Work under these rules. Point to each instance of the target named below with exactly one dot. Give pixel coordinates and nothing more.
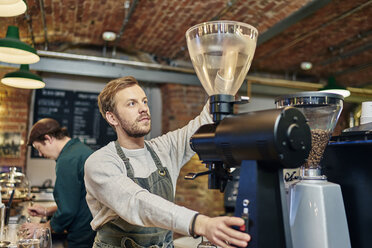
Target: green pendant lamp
(23, 78)
(333, 87)
(10, 8)
(12, 50)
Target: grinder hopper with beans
(316, 208)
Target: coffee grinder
(316, 209)
(261, 143)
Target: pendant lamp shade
(23, 78)
(9, 8)
(333, 87)
(12, 50)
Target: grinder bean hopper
(221, 53)
(316, 208)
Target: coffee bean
(319, 141)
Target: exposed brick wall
(14, 113)
(84, 21)
(324, 38)
(180, 105)
(335, 38)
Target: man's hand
(218, 230)
(27, 230)
(36, 210)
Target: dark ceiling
(335, 36)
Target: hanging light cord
(41, 2)
(29, 22)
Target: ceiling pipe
(46, 43)
(262, 80)
(350, 41)
(354, 69)
(59, 55)
(104, 50)
(29, 24)
(347, 54)
(128, 14)
(356, 92)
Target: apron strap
(121, 154)
(128, 166)
(156, 159)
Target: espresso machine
(260, 143)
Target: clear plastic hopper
(221, 52)
(322, 111)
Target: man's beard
(133, 129)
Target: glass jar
(322, 111)
(14, 180)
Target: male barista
(131, 182)
(71, 213)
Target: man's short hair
(46, 126)
(106, 99)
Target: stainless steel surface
(314, 94)
(311, 174)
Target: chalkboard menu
(78, 111)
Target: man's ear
(111, 118)
(48, 138)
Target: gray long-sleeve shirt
(111, 194)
